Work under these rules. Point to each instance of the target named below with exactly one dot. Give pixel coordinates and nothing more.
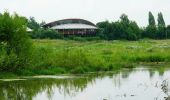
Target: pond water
(132, 84)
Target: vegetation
(61, 56)
(123, 29)
(45, 34)
(20, 56)
(15, 46)
(129, 30)
(41, 33)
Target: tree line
(124, 28)
(129, 30)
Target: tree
(168, 32)
(151, 29)
(15, 41)
(124, 19)
(150, 32)
(161, 21)
(103, 31)
(151, 19)
(161, 32)
(33, 24)
(130, 29)
(134, 31)
(123, 29)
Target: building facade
(73, 27)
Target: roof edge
(55, 22)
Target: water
(133, 84)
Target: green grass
(68, 56)
(76, 56)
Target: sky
(92, 10)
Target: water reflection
(132, 84)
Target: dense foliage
(38, 32)
(123, 29)
(129, 30)
(15, 46)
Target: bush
(15, 43)
(46, 33)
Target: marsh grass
(68, 56)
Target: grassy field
(67, 56)
(51, 57)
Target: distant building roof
(74, 26)
(71, 24)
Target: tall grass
(61, 56)
(68, 56)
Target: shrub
(45, 33)
(14, 41)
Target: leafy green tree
(103, 31)
(151, 29)
(168, 32)
(15, 42)
(161, 32)
(130, 29)
(124, 19)
(124, 24)
(161, 21)
(33, 24)
(151, 32)
(151, 19)
(123, 29)
(134, 31)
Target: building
(73, 27)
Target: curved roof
(74, 26)
(71, 24)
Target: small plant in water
(164, 87)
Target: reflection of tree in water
(121, 76)
(27, 89)
(22, 90)
(160, 70)
(73, 85)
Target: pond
(132, 84)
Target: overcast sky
(92, 10)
